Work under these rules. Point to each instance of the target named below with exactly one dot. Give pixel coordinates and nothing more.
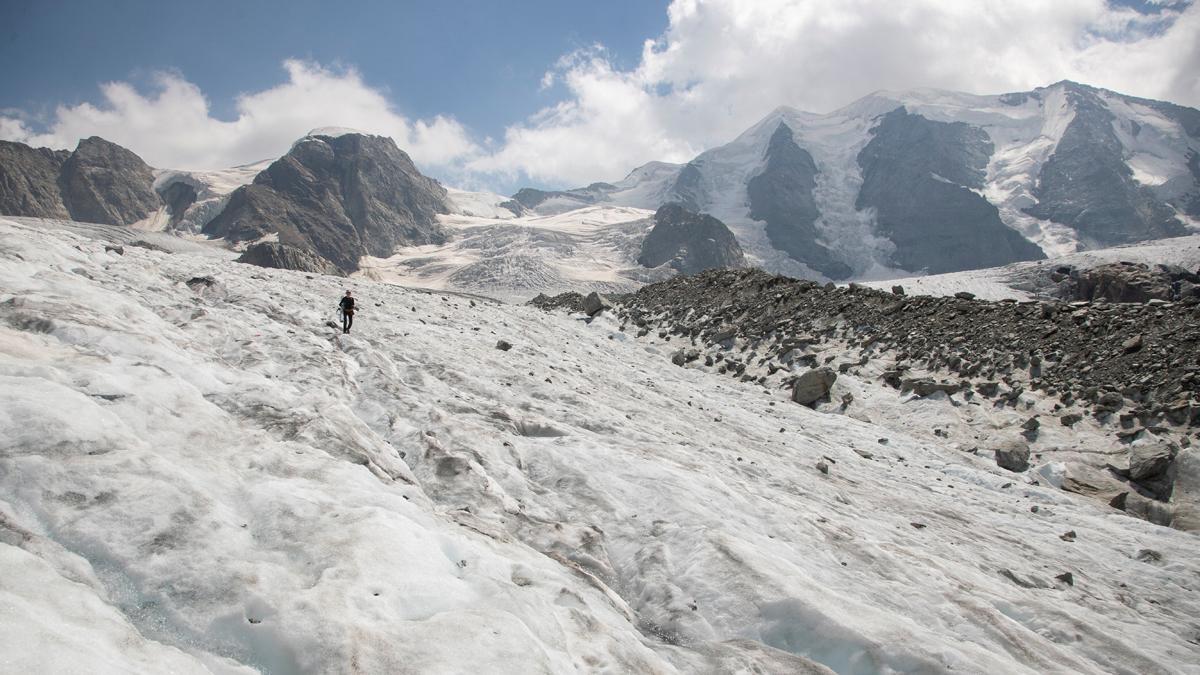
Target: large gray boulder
(1013, 455)
(595, 303)
(689, 242)
(921, 177)
(813, 385)
(340, 197)
(1149, 461)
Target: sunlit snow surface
(208, 479)
(502, 256)
(998, 283)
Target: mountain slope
(340, 196)
(921, 178)
(1065, 167)
(199, 475)
(99, 182)
(689, 242)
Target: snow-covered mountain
(934, 181)
(197, 475)
(893, 185)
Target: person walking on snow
(347, 307)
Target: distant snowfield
(511, 258)
(206, 478)
(998, 283)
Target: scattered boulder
(1092, 482)
(1131, 345)
(1013, 456)
(595, 303)
(924, 386)
(201, 283)
(1149, 461)
(504, 345)
(813, 386)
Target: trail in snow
(206, 478)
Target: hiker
(347, 307)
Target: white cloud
(172, 126)
(722, 65)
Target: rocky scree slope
(340, 198)
(1133, 368)
(99, 182)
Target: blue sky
(481, 60)
(499, 95)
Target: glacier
(197, 474)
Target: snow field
(207, 478)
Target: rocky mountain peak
(782, 195)
(340, 197)
(103, 182)
(689, 242)
(100, 182)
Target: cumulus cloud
(719, 67)
(722, 65)
(172, 126)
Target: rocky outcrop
(29, 181)
(339, 197)
(1088, 186)
(282, 256)
(688, 189)
(178, 197)
(100, 182)
(689, 242)
(1130, 282)
(920, 175)
(532, 198)
(813, 386)
(782, 196)
(1013, 456)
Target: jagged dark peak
(781, 137)
(782, 196)
(29, 181)
(688, 189)
(689, 242)
(917, 175)
(339, 195)
(955, 151)
(102, 182)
